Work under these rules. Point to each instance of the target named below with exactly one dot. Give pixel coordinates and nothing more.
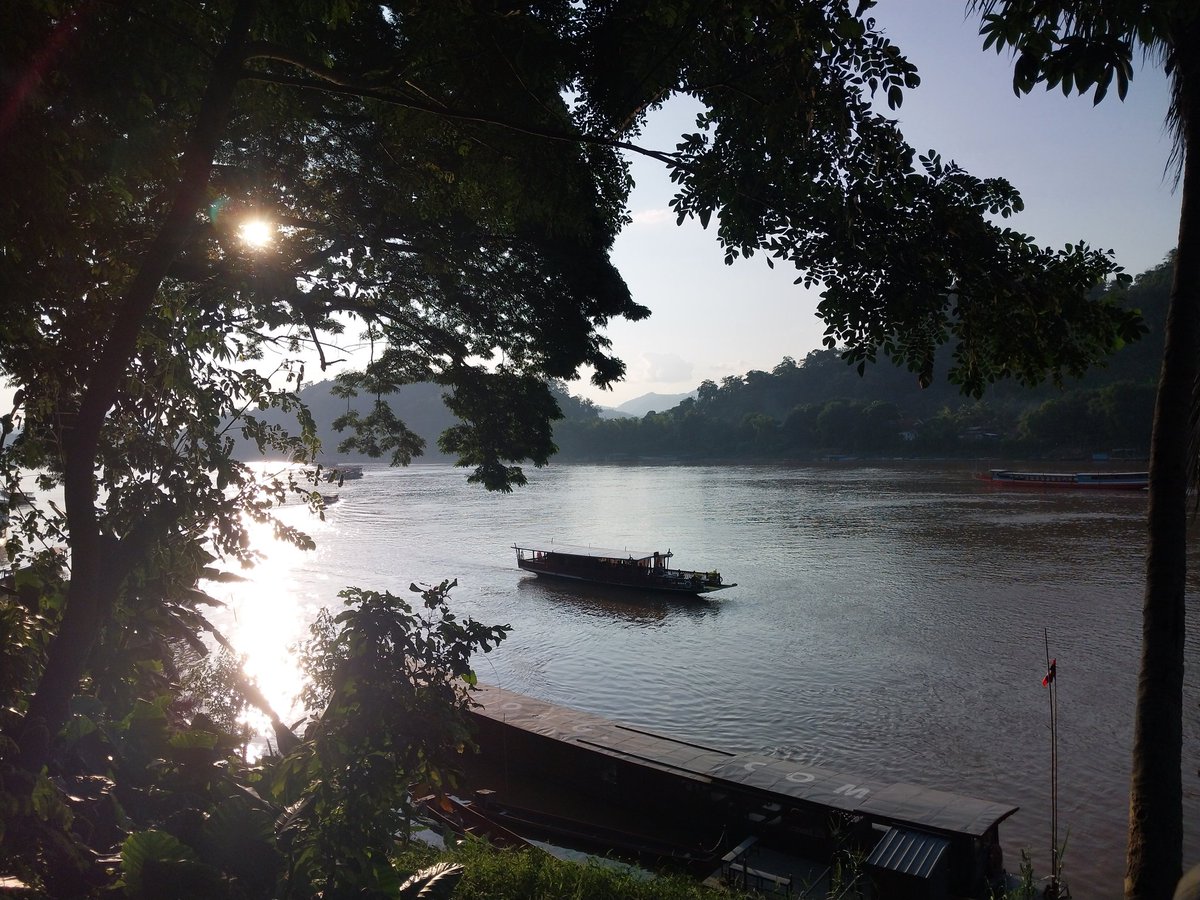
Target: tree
(837, 424)
(1062, 423)
(1083, 45)
(389, 685)
(879, 426)
(759, 434)
(1127, 411)
(799, 428)
(449, 176)
(707, 392)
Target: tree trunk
(1155, 852)
(97, 565)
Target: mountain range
(421, 408)
(646, 403)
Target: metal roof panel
(909, 853)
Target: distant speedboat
(1114, 481)
(621, 568)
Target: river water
(888, 621)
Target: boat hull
(596, 838)
(463, 818)
(613, 576)
(1086, 481)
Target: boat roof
(908, 804)
(898, 804)
(596, 552)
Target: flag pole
(1054, 889)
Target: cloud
(663, 368)
(652, 218)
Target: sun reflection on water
(267, 615)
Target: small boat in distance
(622, 568)
(1115, 481)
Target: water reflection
(636, 607)
(267, 614)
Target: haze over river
(887, 621)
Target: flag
(1050, 673)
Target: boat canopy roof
(595, 552)
(931, 808)
(906, 805)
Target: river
(888, 621)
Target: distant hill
(639, 406)
(822, 406)
(611, 412)
(419, 406)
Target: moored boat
(787, 821)
(1118, 481)
(621, 568)
(462, 817)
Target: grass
(492, 874)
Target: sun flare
(256, 233)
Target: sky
(1091, 173)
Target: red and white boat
(1113, 481)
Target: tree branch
(333, 82)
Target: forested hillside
(419, 406)
(821, 406)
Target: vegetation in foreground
(490, 874)
(153, 795)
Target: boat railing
(757, 880)
(689, 575)
(735, 870)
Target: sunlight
(268, 614)
(256, 233)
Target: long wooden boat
(925, 843)
(622, 568)
(1112, 481)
